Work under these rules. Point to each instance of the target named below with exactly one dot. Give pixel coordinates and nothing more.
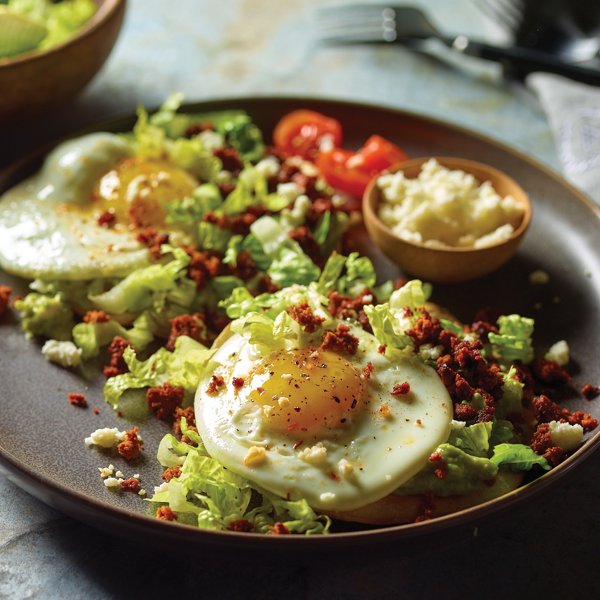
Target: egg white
(48, 227)
(363, 462)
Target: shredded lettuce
(45, 315)
(513, 340)
(518, 457)
(472, 439)
(290, 265)
(145, 288)
(182, 367)
(189, 211)
(210, 496)
(91, 337)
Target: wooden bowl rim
(370, 204)
(106, 10)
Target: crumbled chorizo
(590, 391)
(367, 370)
(117, 364)
(265, 285)
(279, 528)
(171, 472)
(192, 326)
(549, 372)
(96, 316)
(164, 399)
(131, 485)
(542, 444)
(131, 446)
(340, 340)
(196, 128)
(241, 525)
(5, 292)
(303, 314)
(187, 414)
(230, 159)
(303, 235)
(221, 220)
(77, 400)
(153, 240)
(240, 224)
(401, 389)
(238, 383)
(107, 218)
(245, 267)
(216, 382)
(203, 266)
(428, 330)
(345, 307)
(546, 410)
(164, 513)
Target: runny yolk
(307, 391)
(136, 190)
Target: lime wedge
(18, 33)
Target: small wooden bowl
(448, 264)
(36, 81)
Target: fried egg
(321, 425)
(50, 224)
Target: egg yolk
(136, 190)
(307, 391)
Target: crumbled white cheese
(142, 492)
(119, 474)
(112, 482)
(283, 401)
(106, 471)
(314, 455)
(430, 352)
(539, 277)
(565, 435)
(268, 167)
(105, 437)
(161, 488)
(443, 207)
(211, 140)
(327, 497)
(559, 353)
(65, 354)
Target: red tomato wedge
(350, 172)
(301, 133)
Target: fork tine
(508, 12)
(357, 23)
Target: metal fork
(407, 25)
(569, 29)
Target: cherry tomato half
(333, 165)
(350, 172)
(301, 132)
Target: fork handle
(525, 58)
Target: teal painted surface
(209, 49)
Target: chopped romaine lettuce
(513, 340)
(45, 315)
(518, 457)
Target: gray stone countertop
(268, 47)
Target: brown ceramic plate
(41, 435)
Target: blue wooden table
(209, 50)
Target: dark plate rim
(99, 514)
